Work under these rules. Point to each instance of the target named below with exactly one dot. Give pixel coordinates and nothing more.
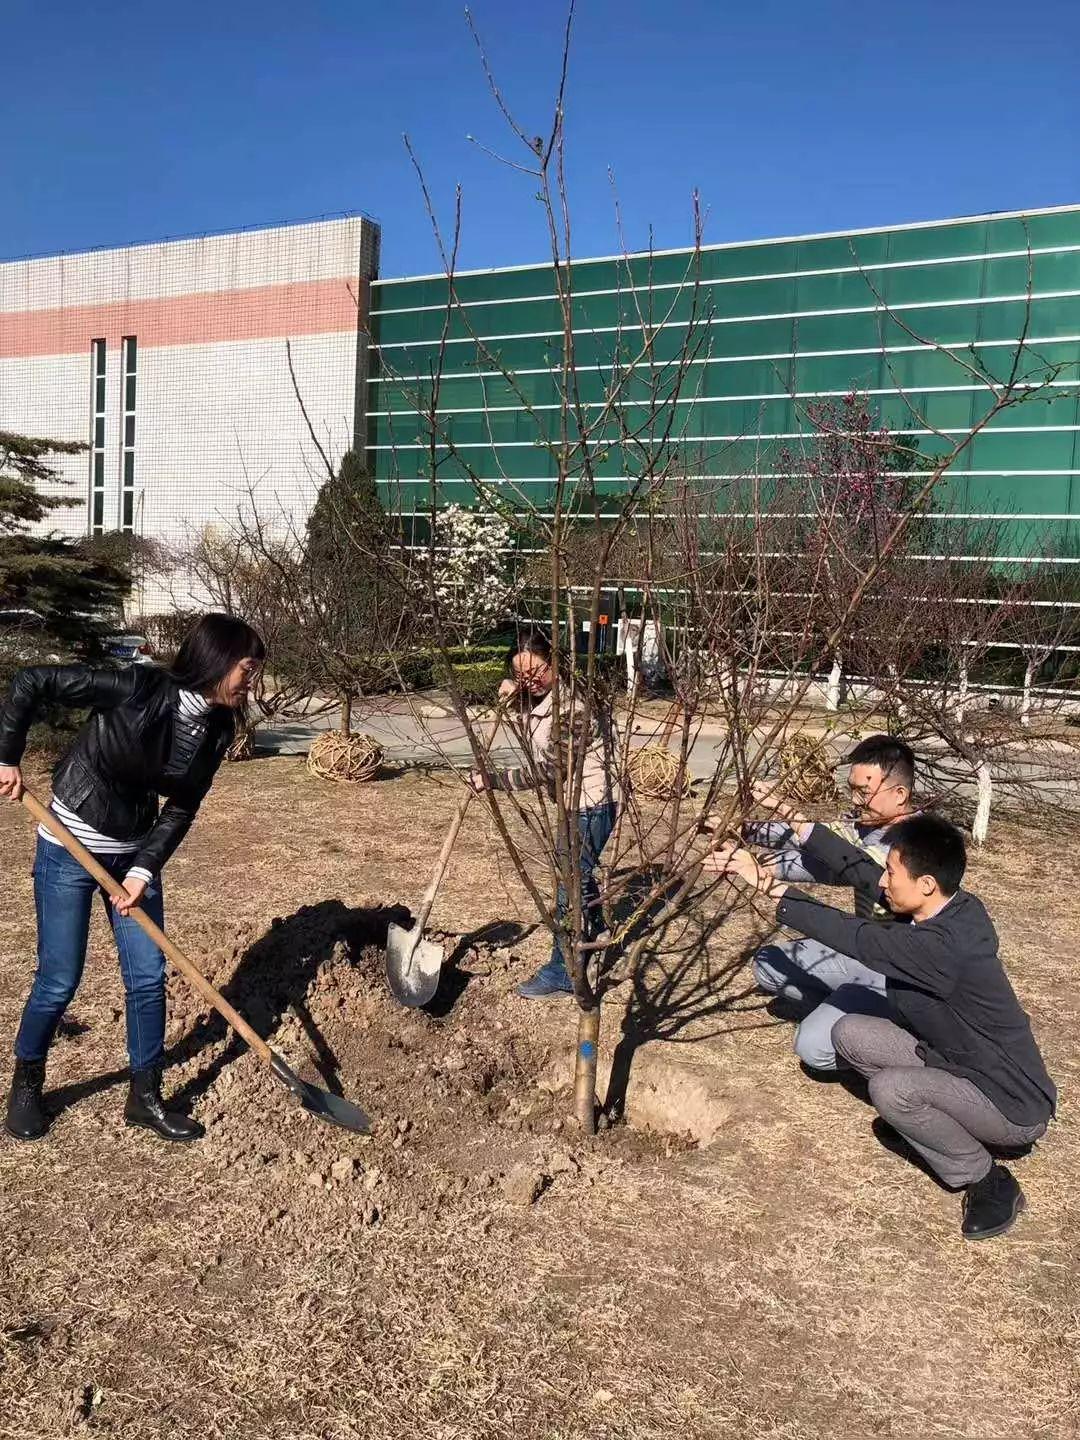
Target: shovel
(413, 964)
(334, 1108)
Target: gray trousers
(829, 984)
(947, 1119)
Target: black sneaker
(991, 1205)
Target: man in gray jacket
(826, 982)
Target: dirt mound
(458, 1116)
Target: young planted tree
(754, 583)
(261, 589)
(982, 725)
(332, 593)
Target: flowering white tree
(470, 569)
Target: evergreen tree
(348, 522)
(355, 614)
(76, 592)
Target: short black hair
(929, 845)
(892, 757)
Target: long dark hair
(211, 648)
(529, 642)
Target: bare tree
(259, 581)
(972, 707)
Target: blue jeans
(595, 827)
(835, 985)
(63, 896)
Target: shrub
(478, 679)
(165, 632)
(426, 668)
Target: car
(129, 649)
(20, 627)
(21, 639)
(21, 620)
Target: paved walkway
(424, 731)
(429, 733)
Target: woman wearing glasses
(151, 732)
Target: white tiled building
(170, 360)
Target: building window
(127, 470)
(97, 437)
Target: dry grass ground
(790, 1280)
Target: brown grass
(791, 1280)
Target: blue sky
(132, 121)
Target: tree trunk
(985, 786)
(588, 1034)
(1025, 703)
(346, 714)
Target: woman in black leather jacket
(151, 733)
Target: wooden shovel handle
(111, 886)
(451, 835)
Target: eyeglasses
(868, 792)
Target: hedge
(426, 668)
(477, 680)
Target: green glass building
(904, 316)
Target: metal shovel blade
(334, 1108)
(412, 964)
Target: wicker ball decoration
(806, 772)
(349, 759)
(656, 773)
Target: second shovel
(413, 964)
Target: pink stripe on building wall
(305, 307)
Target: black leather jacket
(114, 772)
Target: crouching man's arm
(922, 955)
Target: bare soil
(476, 1268)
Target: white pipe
(832, 694)
(984, 783)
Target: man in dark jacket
(824, 981)
(955, 1068)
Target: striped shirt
(189, 727)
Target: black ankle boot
(26, 1119)
(146, 1108)
(991, 1205)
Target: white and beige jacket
(599, 785)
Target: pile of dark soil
(458, 1117)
